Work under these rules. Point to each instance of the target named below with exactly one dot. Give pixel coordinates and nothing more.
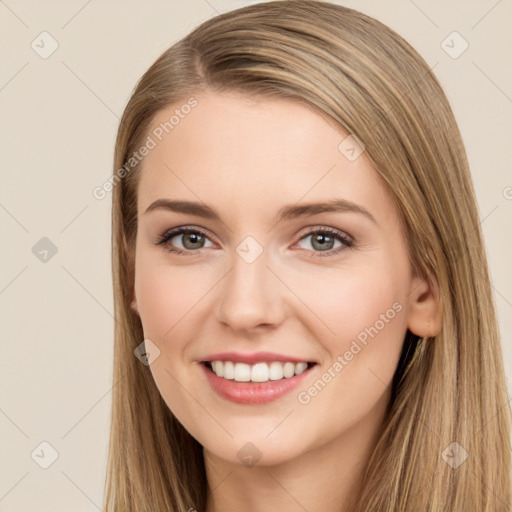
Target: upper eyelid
(180, 230)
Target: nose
(251, 296)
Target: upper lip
(255, 357)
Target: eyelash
(168, 235)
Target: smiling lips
(254, 378)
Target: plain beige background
(59, 118)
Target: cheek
(367, 315)
(352, 301)
(165, 296)
(369, 310)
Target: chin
(250, 451)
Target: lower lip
(253, 392)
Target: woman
(304, 318)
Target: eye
(324, 239)
(192, 239)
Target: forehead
(246, 154)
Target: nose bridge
(250, 292)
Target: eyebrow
(286, 213)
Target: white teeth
(242, 372)
(288, 370)
(218, 368)
(300, 367)
(276, 371)
(259, 372)
(229, 369)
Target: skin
(247, 157)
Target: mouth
(257, 373)
(255, 384)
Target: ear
(425, 311)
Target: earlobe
(134, 306)
(425, 310)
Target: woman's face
(253, 279)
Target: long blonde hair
(447, 389)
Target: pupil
(323, 240)
(194, 238)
